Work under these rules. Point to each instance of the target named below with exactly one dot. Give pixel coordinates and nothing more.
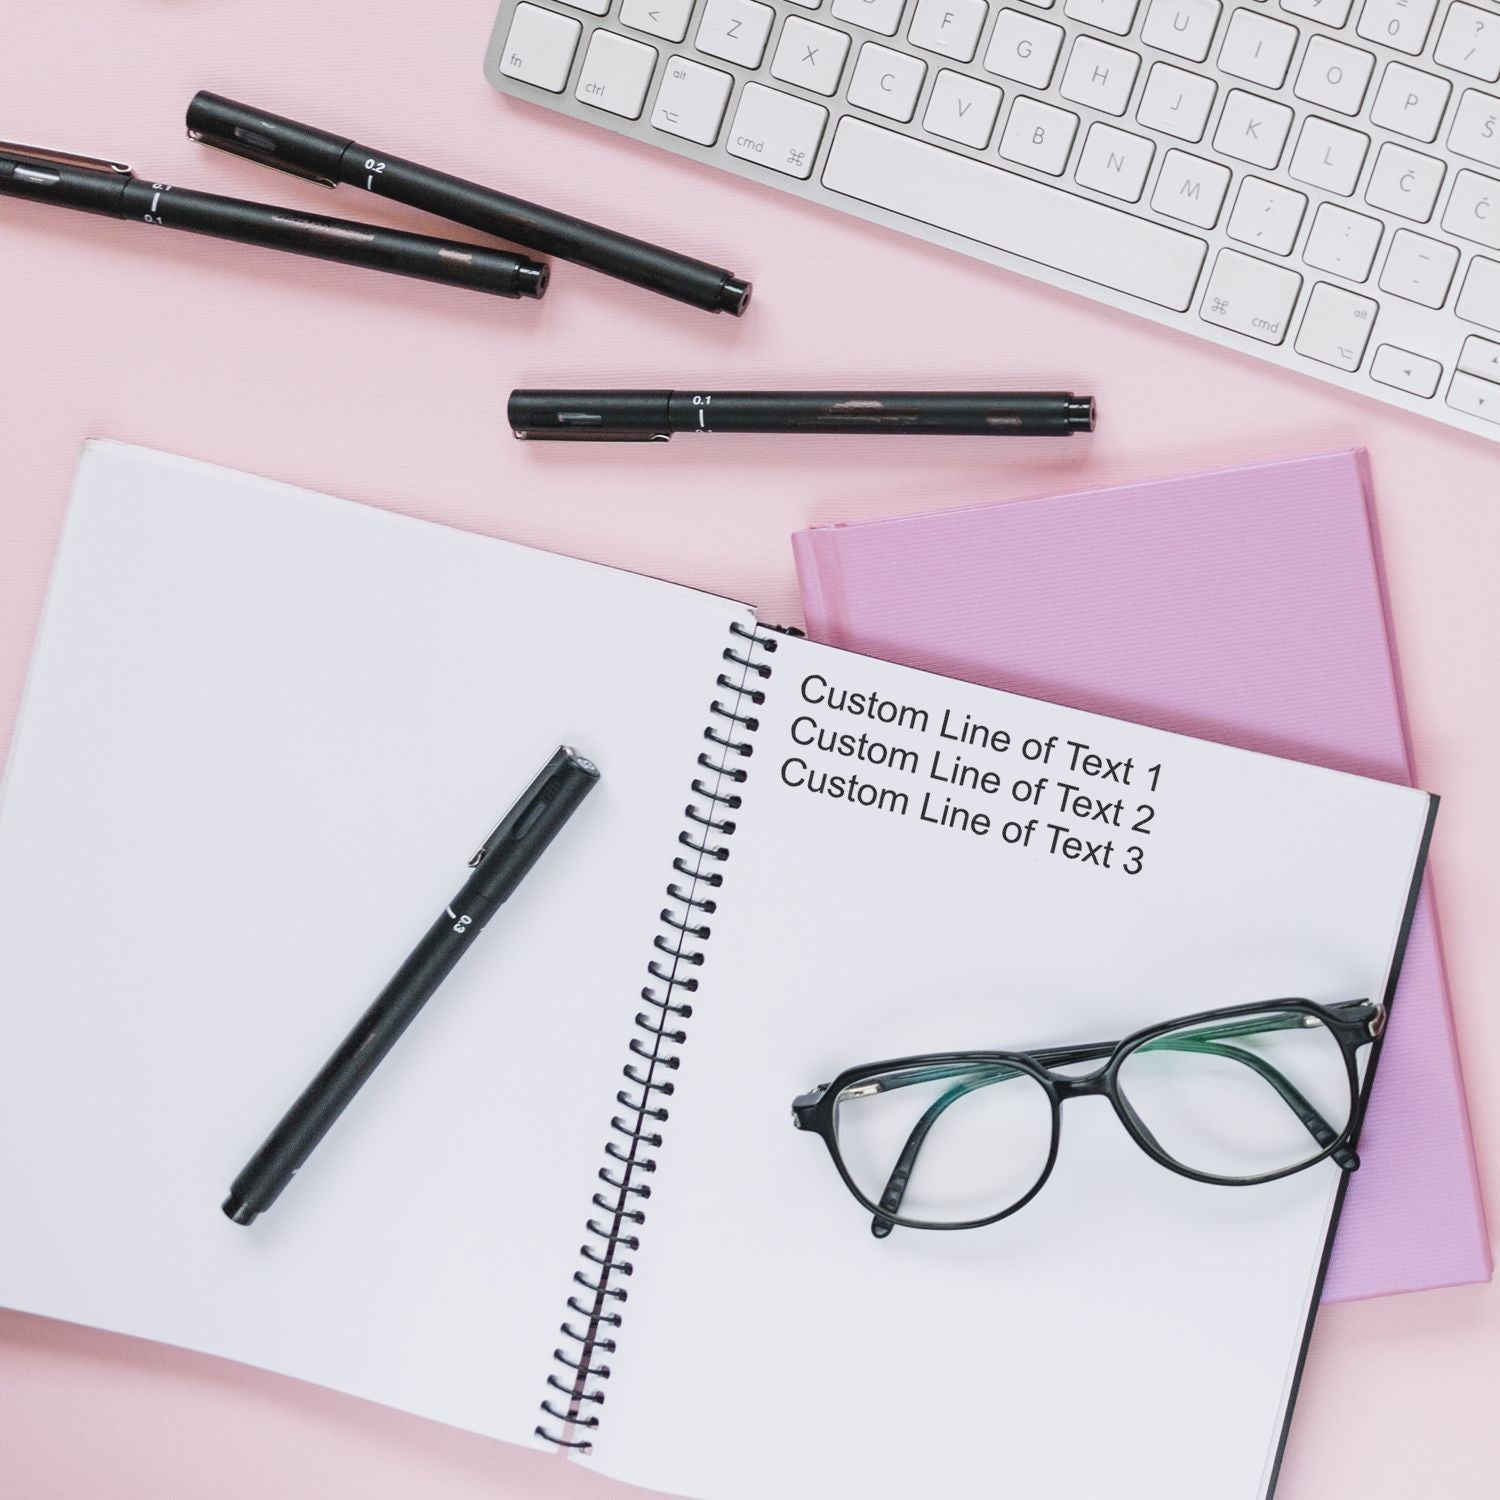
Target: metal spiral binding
(677, 952)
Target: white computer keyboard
(1313, 181)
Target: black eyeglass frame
(1354, 1024)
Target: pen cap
(607, 416)
(530, 826)
(79, 182)
(271, 139)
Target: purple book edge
(1247, 606)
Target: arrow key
(667, 19)
(1480, 357)
(1475, 397)
(1413, 373)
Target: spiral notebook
(262, 732)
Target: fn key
(539, 47)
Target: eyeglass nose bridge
(1079, 1085)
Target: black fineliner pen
(641, 416)
(110, 188)
(331, 159)
(499, 867)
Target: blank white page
(1129, 1333)
(263, 734)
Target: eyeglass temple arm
(1206, 1040)
(895, 1188)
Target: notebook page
(263, 734)
(1130, 1332)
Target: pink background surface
(393, 393)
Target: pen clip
(63, 159)
(265, 154)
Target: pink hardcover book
(1246, 606)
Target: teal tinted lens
(1241, 1098)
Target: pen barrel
(501, 864)
(895, 413)
(308, 152)
(320, 1104)
(545, 230)
(451, 264)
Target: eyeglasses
(957, 1140)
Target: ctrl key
(539, 47)
(777, 130)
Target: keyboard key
(616, 73)
(1475, 397)
(1023, 48)
(1402, 24)
(691, 100)
(883, 16)
(1176, 102)
(1334, 76)
(1115, 162)
(667, 19)
(1257, 49)
(1473, 211)
(1038, 135)
(593, 7)
(1480, 357)
(1099, 75)
(1419, 269)
(887, 83)
(1117, 16)
(1266, 216)
(1479, 301)
(1336, 327)
(735, 30)
(1329, 12)
(1470, 42)
(1190, 189)
(539, 47)
(1013, 213)
(776, 130)
(1405, 371)
(1329, 156)
(1405, 182)
(1252, 129)
(1475, 131)
(1250, 297)
(1343, 242)
(951, 27)
(811, 56)
(1185, 28)
(962, 109)
(1411, 102)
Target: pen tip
(531, 278)
(734, 296)
(237, 1211)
